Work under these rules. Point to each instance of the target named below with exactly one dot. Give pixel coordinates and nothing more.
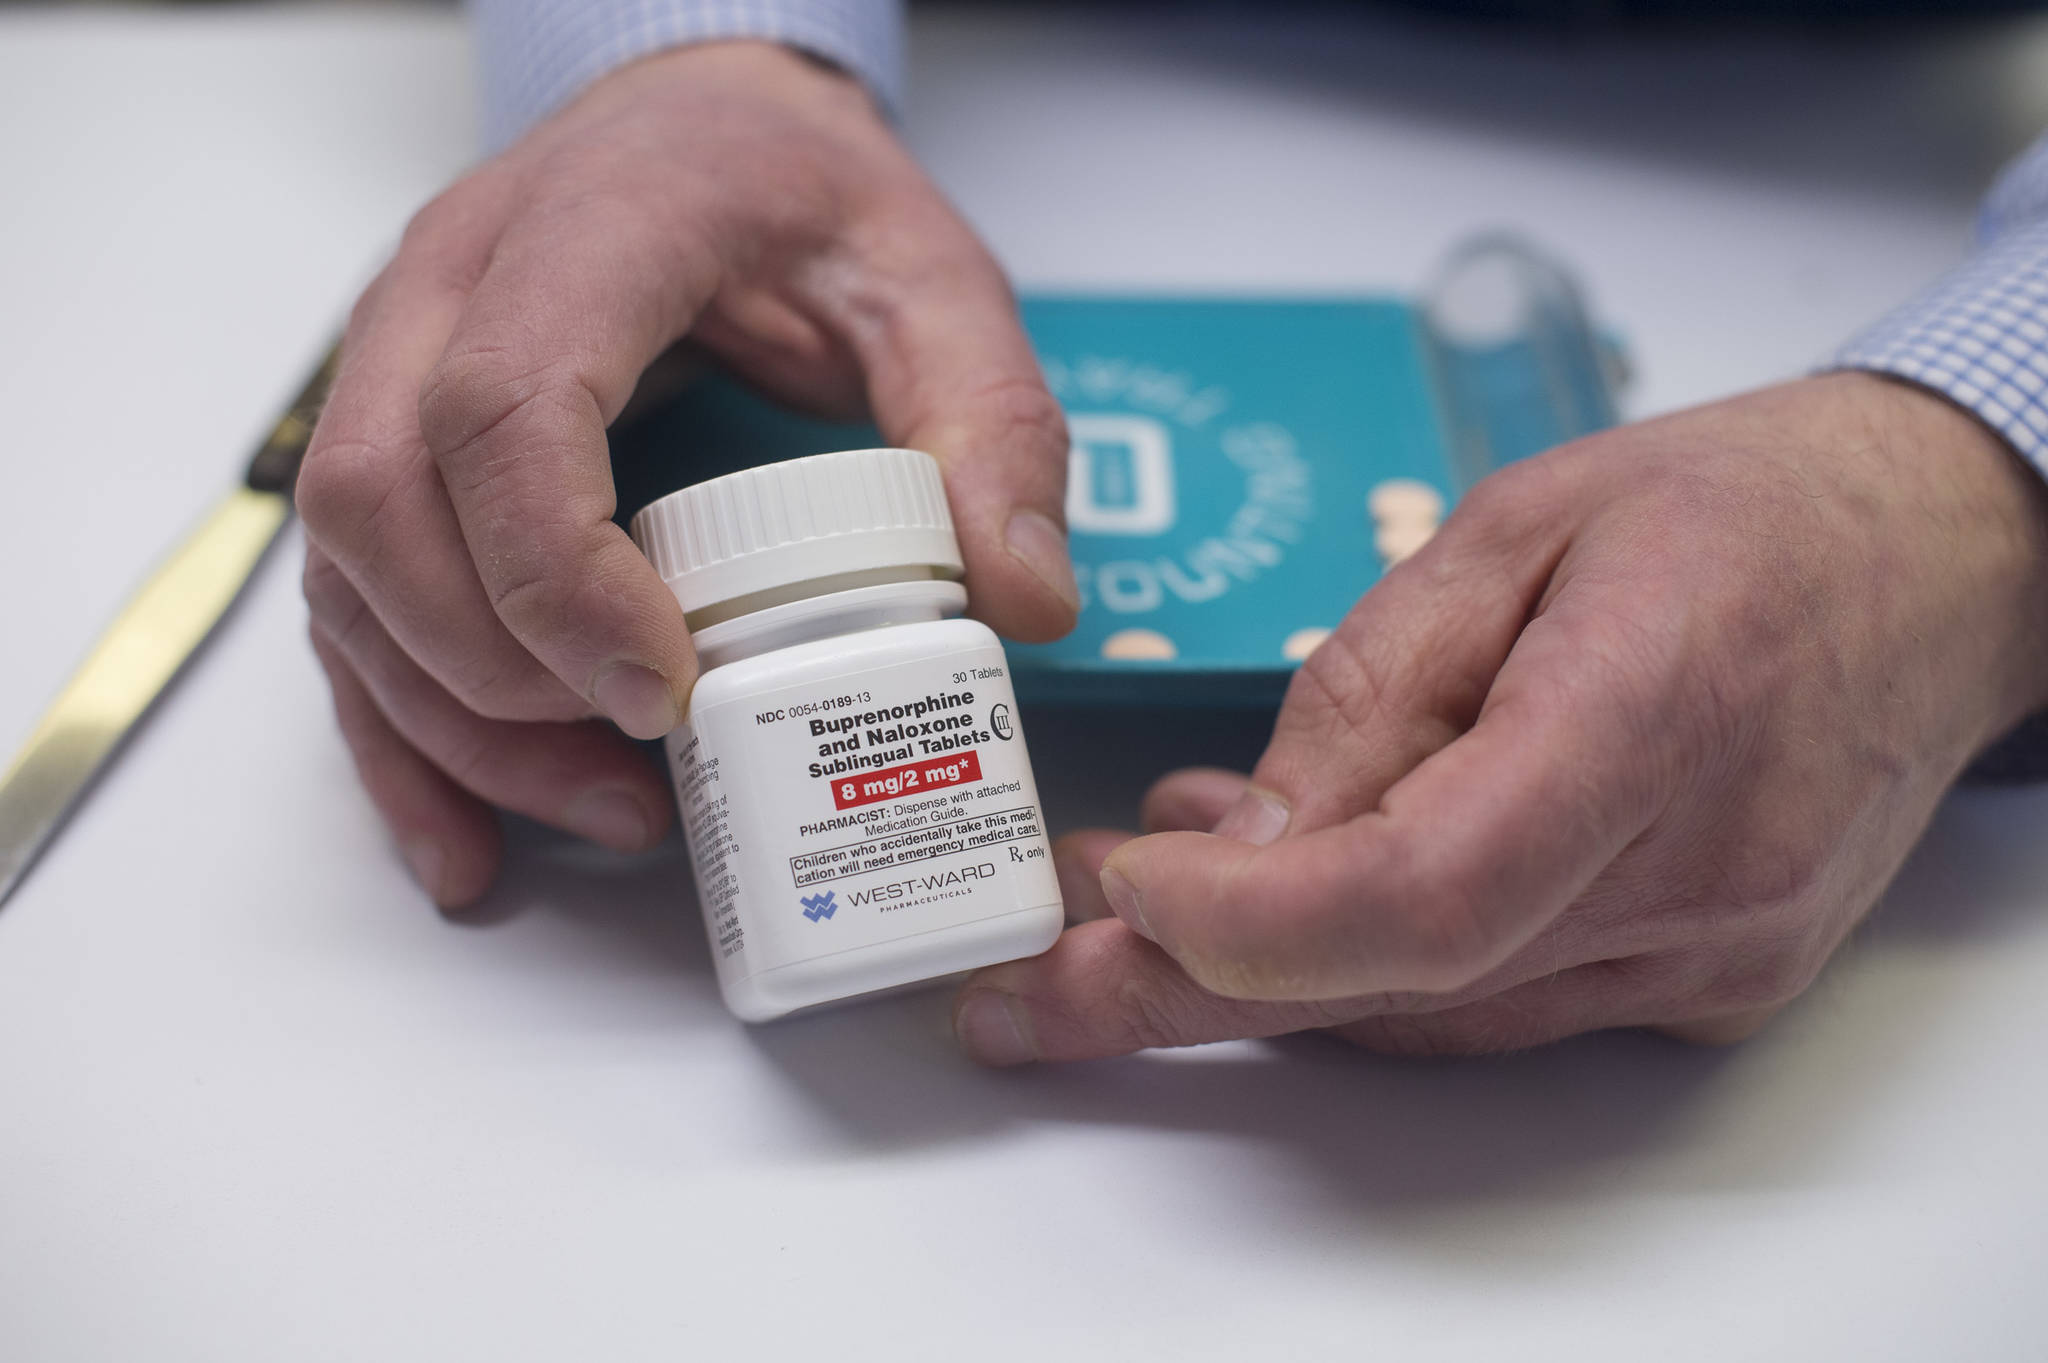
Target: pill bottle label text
(881, 804)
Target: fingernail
(1258, 817)
(428, 862)
(993, 1030)
(637, 698)
(1038, 543)
(1123, 898)
(608, 817)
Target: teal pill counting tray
(1242, 469)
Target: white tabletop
(258, 1101)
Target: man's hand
(1635, 740)
(471, 599)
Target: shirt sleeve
(534, 55)
(1980, 336)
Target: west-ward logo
(818, 906)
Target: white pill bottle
(851, 774)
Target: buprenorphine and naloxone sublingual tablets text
(852, 775)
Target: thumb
(949, 372)
(1455, 867)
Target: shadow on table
(1364, 1132)
(1375, 1130)
(1981, 869)
(1389, 1134)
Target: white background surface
(257, 1101)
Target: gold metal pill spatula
(161, 627)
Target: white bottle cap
(829, 514)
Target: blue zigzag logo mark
(817, 906)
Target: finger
(581, 777)
(950, 372)
(576, 302)
(1690, 993)
(785, 353)
(1077, 861)
(374, 504)
(446, 835)
(1103, 990)
(1410, 666)
(1190, 800)
(1193, 798)
(1591, 998)
(1461, 862)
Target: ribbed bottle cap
(770, 527)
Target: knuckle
(480, 384)
(486, 682)
(1778, 869)
(504, 682)
(336, 608)
(1364, 706)
(1497, 497)
(449, 221)
(432, 222)
(1150, 1014)
(1629, 662)
(1007, 415)
(467, 758)
(573, 189)
(1344, 685)
(1447, 942)
(323, 650)
(364, 309)
(532, 600)
(914, 246)
(1762, 976)
(566, 607)
(1341, 728)
(446, 243)
(1437, 925)
(319, 580)
(1511, 504)
(1024, 411)
(345, 491)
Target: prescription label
(825, 817)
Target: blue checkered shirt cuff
(535, 55)
(1980, 336)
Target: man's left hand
(1635, 740)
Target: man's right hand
(472, 601)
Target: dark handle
(276, 465)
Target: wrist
(528, 75)
(1985, 522)
(750, 68)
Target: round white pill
(1302, 642)
(1397, 541)
(1405, 501)
(1139, 645)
